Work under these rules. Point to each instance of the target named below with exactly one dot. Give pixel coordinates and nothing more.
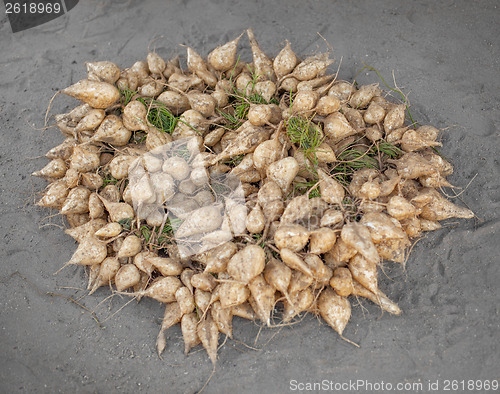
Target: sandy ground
(444, 55)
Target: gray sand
(445, 55)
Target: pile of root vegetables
(222, 188)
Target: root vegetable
(161, 289)
(314, 83)
(355, 118)
(109, 231)
(325, 153)
(340, 254)
(289, 84)
(400, 208)
(341, 281)
(77, 201)
(90, 121)
(185, 299)
(164, 187)
(247, 263)
(412, 141)
(112, 131)
(209, 336)
(104, 71)
(327, 105)
(223, 318)
(358, 237)
(293, 237)
(394, 136)
(336, 310)
(118, 210)
(298, 282)
(378, 298)
(83, 160)
(85, 230)
(359, 178)
(364, 271)
(171, 317)
(434, 180)
(92, 181)
(77, 219)
(55, 169)
(233, 293)
(247, 139)
(181, 82)
(155, 63)
(134, 116)
(141, 261)
(266, 89)
(263, 65)
(294, 261)
(175, 102)
(72, 178)
(311, 67)
(214, 137)
(189, 324)
(110, 193)
(203, 281)
(373, 133)
(167, 266)
(337, 127)
(331, 191)
(262, 298)
(342, 90)
(186, 276)
(201, 220)
(107, 271)
(203, 103)
(393, 249)
(97, 94)
(216, 259)
(304, 101)
(429, 225)
(300, 302)
(321, 272)
(62, 151)
(223, 57)
(285, 61)
(127, 276)
(197, 65)
(411, 226)
(440, 209)
(282, 172)
(362, 97)
(278, 275)
(395, 118)
(255, 221)
(120, 165)
(440, 164)
(298, 208)
(157, 138)
(266, 153)
(259, 115)
(331, 217)
(381, 227)
(322, 240)
(370, 190)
